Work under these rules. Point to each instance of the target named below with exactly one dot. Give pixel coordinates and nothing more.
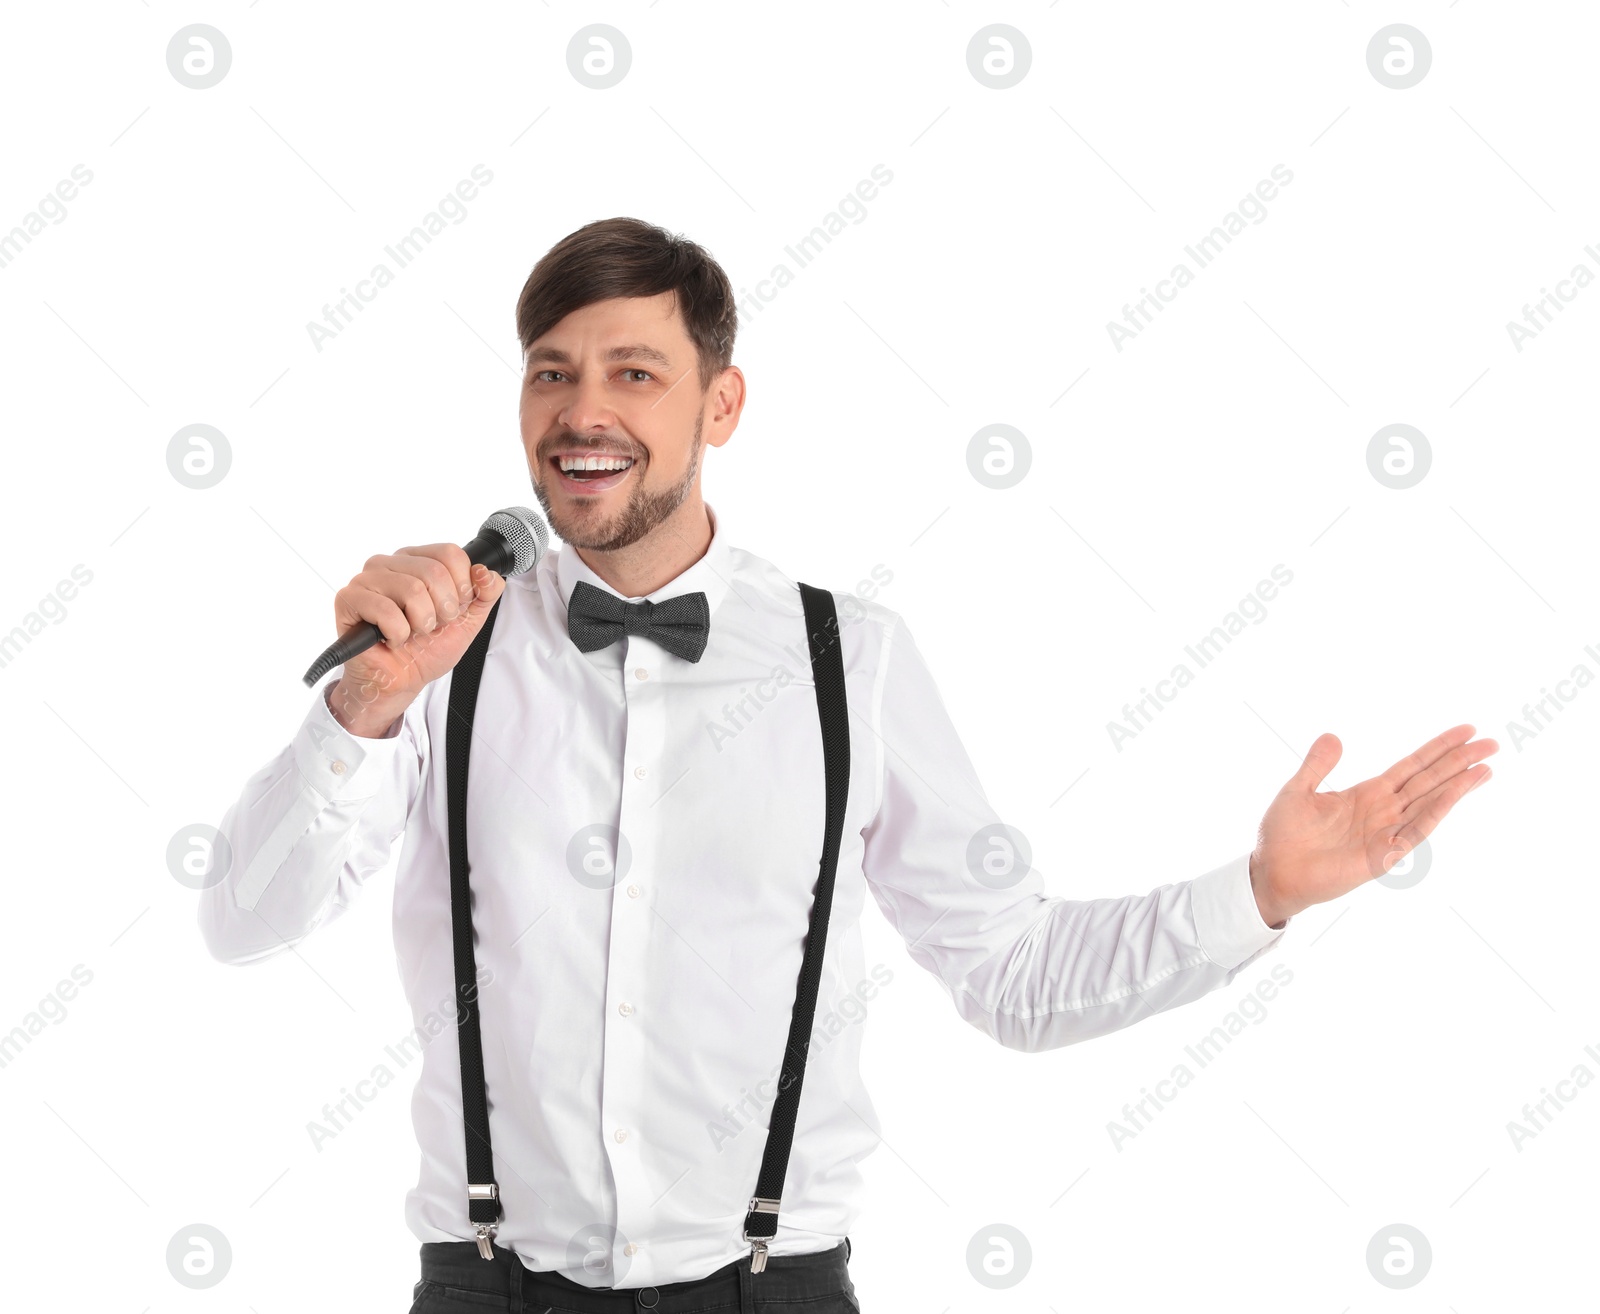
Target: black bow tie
(596, 618)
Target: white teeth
(595, 462)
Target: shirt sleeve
(307, 829)
(1033, 971)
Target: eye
(539, 375)
(646, 373)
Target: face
(613, 420)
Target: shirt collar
(709, 575)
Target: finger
(454, 559)
(357, 603)
(1424, 757)
(1457, 759)
(444, 588)
(488, 585)
(422, 585)
(408, 592)
(1428, 811)
(1323, 756)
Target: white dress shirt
(634, 1010)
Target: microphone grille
(525, 534)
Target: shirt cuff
(336, 763)
(1226, 915)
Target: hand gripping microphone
(510, 543)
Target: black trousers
(456, 1279)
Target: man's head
(627, 341)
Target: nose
(588, 409)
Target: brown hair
(630, 258)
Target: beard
(644, 510)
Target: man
(645, 816)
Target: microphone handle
(491, 550)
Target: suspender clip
(486, 1231)
(758, 1244)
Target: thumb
(1321, 759)
(488, 585)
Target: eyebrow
(638, 351)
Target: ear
(726, 401)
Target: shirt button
(641, 772)
(633, 891)
(630, 1249)
(626, 1009)
(337, 768)
(642, 674)
(621, 1134)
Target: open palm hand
(1314, 846)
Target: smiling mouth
(584, 472)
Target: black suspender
(827, 667)
(761, 1221)
(483, 1192)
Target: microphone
(510, 543)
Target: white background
(1167, 479)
